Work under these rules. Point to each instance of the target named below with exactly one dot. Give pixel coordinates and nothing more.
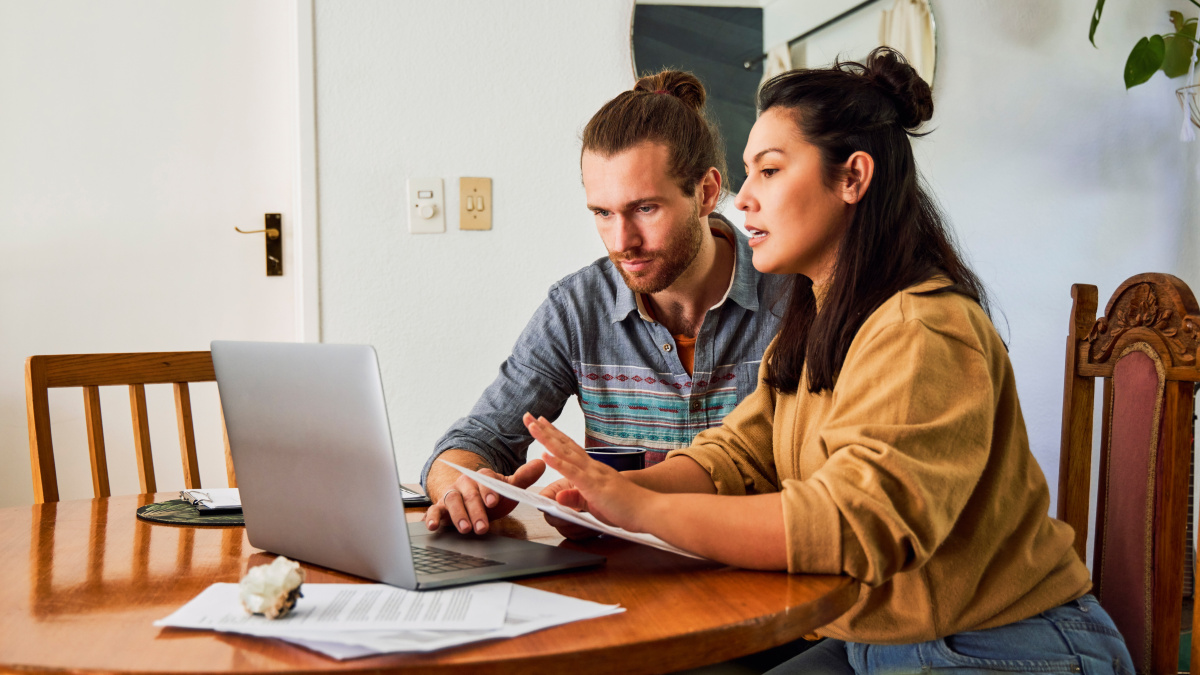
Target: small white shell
(272, 589)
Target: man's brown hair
(665, 108)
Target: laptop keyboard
(430, 560)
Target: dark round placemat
(179, 512)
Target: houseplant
(1170, 52)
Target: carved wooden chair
(92, 371)
(1145, 348)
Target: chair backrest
(1145, 349)
(92, 371)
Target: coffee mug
(620, 458)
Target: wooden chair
(92, 371)
(1145, 348)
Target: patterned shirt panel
(658, 411)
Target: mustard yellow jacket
(913, 476)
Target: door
(134, 136)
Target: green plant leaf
(1176, 20)
(1178, 49)
(1095, 21)
(1144, 60)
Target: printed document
(529, 610)
(338, 632)
(338, 607)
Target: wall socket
(426, 206)
(474, 203)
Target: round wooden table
(84, 580)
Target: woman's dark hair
(668, 108)
(897, 237)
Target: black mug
(620, 458)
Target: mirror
(731, 44)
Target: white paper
(529, 610)
(340, 607)
(216, 498)
(552, 507)
(333, 650)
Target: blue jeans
(1077, 637)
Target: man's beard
(668, 264)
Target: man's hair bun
(888, 69)
(651, 112)
(681, 85)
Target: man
(659, 340)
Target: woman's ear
(859, 169)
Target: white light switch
(426, 206)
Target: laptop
(312, 451)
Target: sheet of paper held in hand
(552, 507)
(339, 607)
(529, 610)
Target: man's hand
(564, 493)
(468, 506)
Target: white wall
(134, 135)
(473, 88)
(1051, 173)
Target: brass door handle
(272, 233)
(273, 228)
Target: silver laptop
(312, 450)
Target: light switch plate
(426, 206)
(474, 203)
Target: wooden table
(84, 580)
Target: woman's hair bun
(888, 69)
(683, 86)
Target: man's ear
(708, 192)
(859, 169)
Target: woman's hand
(571, 499)
(602, 490)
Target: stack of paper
(348, 621)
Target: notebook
(312, 451)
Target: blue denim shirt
(592, 339)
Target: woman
(885, 440)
